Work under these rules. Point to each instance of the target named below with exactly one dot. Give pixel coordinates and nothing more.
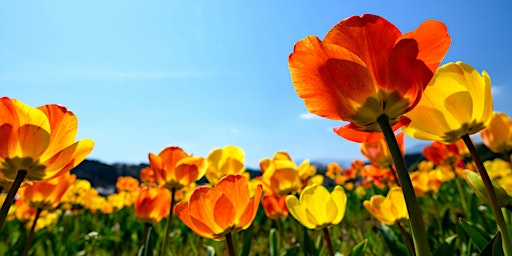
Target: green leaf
(475, 234)
(274, 250)
(447, 247)
(246, 247)
(309, 244)
(395, 247)
(359, 249)
(494, 247)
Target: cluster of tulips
(364, 72)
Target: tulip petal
(298, 211)
(250, 211)
(339, 198)
(63, 125)
(64, 160)
(236, 188)
(224, 212)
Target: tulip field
(452, 201)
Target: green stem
(407, 240)
(393, 171)
(328, 240)
(415, 218)
(500, 221)
(168, 224)
(231, 246)
(31, 234)
(20, 176)
(462, 197)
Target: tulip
(280, 174)
(37, 144)
(377, 152)
(217, 212)
(223, 161)
(497, 136)
(317, 208)
(152, 204)
(127, 183)
(47, 195)
(174, 169)
(274, 206)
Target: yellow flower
(456, 102)
(306, 170)
(390, 209)
(39, 140)
(317, 208)
(497, 136)
(223, 161)
(280, 174)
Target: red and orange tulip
(365, 68)
(377, 152)
(224, 209)
(174, 169)
(275, 206)
(153, 204)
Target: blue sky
(142, 75)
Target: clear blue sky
(142, 75)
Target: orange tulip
(275, 206)
(225, 209)
(147, 176)
(442, 154)
(153, 204)
(377, 151)
(174, 169)
(365, 68)
(127, 184)
(390, 209)
(39, 140)
(46, 195)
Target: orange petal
(331, 80)
(63, 125)
(224, 212)
(250, 211)
(33, 141)
(353, 132)
(170, 156)
(368, 36)
(433, 42)
(65, 160)
(236, 188)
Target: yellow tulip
(280, 174)
(457, 102)
(223, 161)
(317, 208)
(390, 209)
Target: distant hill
(104, 176)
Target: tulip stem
(20, 176)
(500, 220)
(328, 240)
(31, 234)
(462, 197)
(231, 246)
(407, 240)
(168, 224)
(415, 218)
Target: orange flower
(47, 194)
(127, 184)
(147, 176)
(174, 169)
(153, 204)
(39, 140)
(377, 151)
(275, 206)
(377, 176)
(226, 208)
(365, 68)
(442, 154)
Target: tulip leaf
(246, 247)
(494, 247)
(274, 250)
(359, 249)
(308, 244)
(447, 247)
(395, 247)
(475, 234)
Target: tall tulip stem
(407, 240)
(415, 218)
(31, 234)
(328, 240)
(10, 196)
(231, 246)
(498, 214)
(168, 224)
